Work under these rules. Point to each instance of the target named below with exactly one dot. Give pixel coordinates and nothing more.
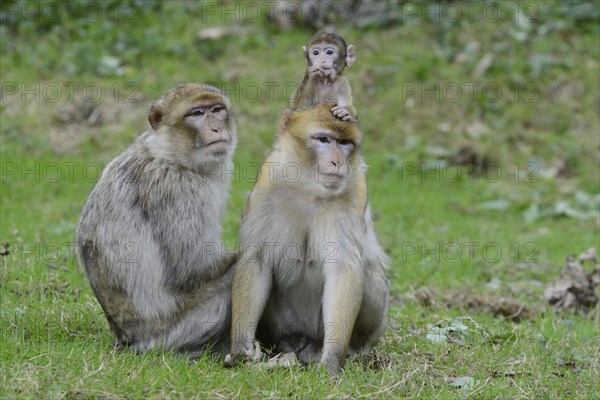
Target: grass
(503, 238)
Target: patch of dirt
(374, 360)
(74, 122)
(575, 288)
(475, 159)
(507, 307)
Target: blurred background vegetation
(509, 92)
(478, 82)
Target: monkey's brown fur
(311, 275)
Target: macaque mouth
(331, 180)
(218, 141)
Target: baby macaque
(326, 56)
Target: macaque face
(330, 156)
(325, 56)
(208, 127)
(193, 125)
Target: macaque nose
(214, 127)
(336, 164)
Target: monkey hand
(254, 355)
(315, 71)
(330, 73)
(231, 258)
(342, 113)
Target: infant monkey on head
(326, 56)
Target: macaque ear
(351, 55)
(284, 121)
(155, 115)
(305, 53)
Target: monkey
(311, 274)
(148, 233)
(326, 55)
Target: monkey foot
(341, 113)
(231, 360)
(253, 355)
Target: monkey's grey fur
(149, 237)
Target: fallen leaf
(575, 288)
(498, 204)
(463, 382)
(483, 65)
(282, 360)
(589, 255)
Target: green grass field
(482, 138)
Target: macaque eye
(329, 52)
(322, 139)
(195, 113)
(217, 108)
(315, 52)
(345, 142)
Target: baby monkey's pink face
(324, 55)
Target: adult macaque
(326, 56)
(311, 273)
(149, 232)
